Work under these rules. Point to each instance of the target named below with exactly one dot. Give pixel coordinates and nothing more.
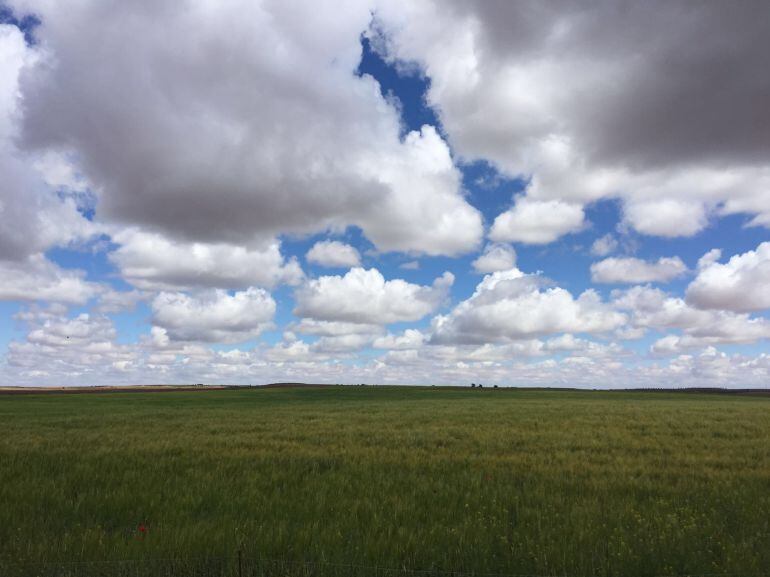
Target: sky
(371, 191)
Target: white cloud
(409, 339)
(71, 348)
(335, 336)
(666, 217)
(496, 257)
(653, 309)
(742, 284)
(163, 352)
(332, 253)
(634, 270)
(342, 343)
(334, 328)
(709, 258)
(152, 261)
(37, 278)
(33, 217)
(587, 348)
(77, 332)
(364, 296)
(604, 245)
(228, 140)
(60, 172)
(537, 222)
(294, 351)
(579, 102)
(113, 301)
(510, 305)
(214, 316)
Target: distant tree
(473, 385)
(495, 386)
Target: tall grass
(532, 482)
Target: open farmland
(339, 480)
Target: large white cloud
(580, 101)
(742, 284)
(214, 316)
(264, 130)
(510, 305)
(634, 270)
(33, 216)
(364, 296)
(152, 261)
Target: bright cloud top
(332, 253)
(364, 296)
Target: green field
(342, 480)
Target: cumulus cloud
(496, 257)
(409, 339)
(342, 343)
(77, 332)
(537, 222)
(742, 284)
(227, 139)
(73, 348)
(466, 358)
(38, 279)
(335, 336)
(34, 218)
(364, 296)
(579, 101)
(604, 245)
(585, 347)
(113, 301)
(334, 328)
(634, 270)
(154, 262)
(652, 308)
(333, 253)
(293, 351)
(510, 305)
(214, 316)
(665, 217)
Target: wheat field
(340, 480)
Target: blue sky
(401, 195)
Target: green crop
(433, 479)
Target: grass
(492, 481)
